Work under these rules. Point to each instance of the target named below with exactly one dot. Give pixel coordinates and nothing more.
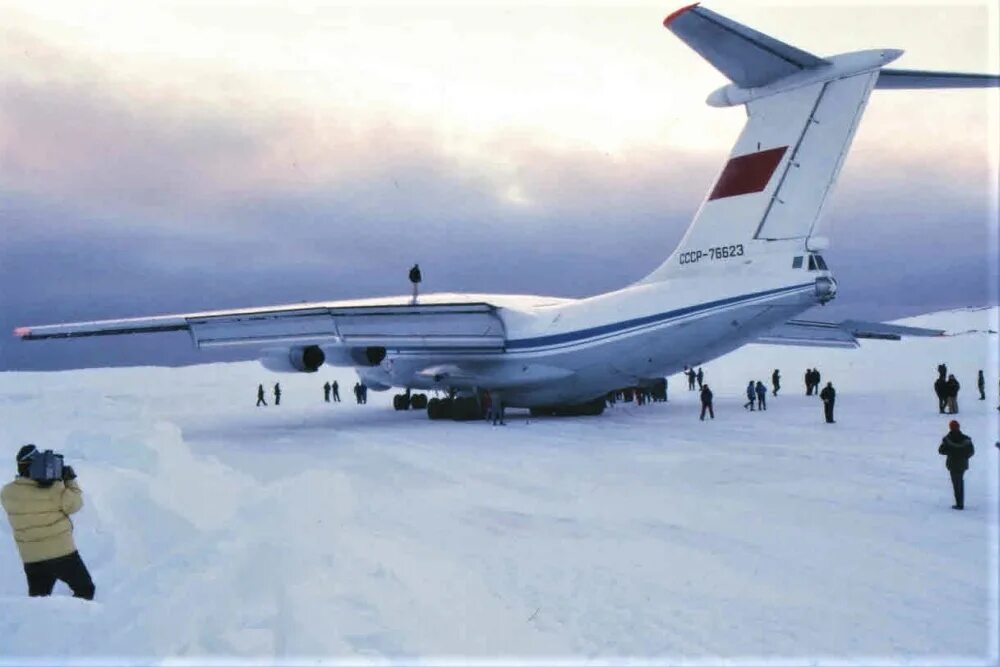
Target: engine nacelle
(354, 356)
(303, 359)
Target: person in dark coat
(981, 384)
(942, 371)
(326, 392)
(958, 449)
(364, 393)
(809, 382)
(700, 376)
(415, 279)
(775, 382)
(691, 378)
(357, 392)
(706, 402)
(260, 396)
(951, 394)
(751, 396)
(335, 391)
(761, 395)
(277, 394)
(829, 396)
(816, 379)
(941, 391)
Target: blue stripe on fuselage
(614, 327)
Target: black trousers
(828, 411)
(707, 406)
(42, 576)
(958, 485)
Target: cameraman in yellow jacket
(38, 512)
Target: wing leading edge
(430, 326)
(808, 333)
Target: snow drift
(221, 532)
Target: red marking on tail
(673, 15)
(21, 332)
(748, 173)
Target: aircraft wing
(808, 333)
(360, 324)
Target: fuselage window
(797, 262)
(821, 263)
(812, 263)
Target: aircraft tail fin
(802, 114)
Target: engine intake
(305, 359)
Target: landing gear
(408, 401)
(590, 408)
(460, 408)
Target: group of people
(331, 391)
(692, 377)
(812, 381)
(756, 390)
(654, 393)
(946, 390)
(260, 395)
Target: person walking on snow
(700, 376)
(775, 382)
(958, 449)
(829, 396)
(751, 391)
(941, 391)
(326, 392)
(691, 377)
(951, 393)
(809, 382)
(981, 384)
(761, 396)
(335, 391)
(260, 396)
(706, 402)
(277, 394)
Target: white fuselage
(562, 351)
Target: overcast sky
(165, 157)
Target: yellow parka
(40, 517)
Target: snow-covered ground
(217, 531)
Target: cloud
(128, 196)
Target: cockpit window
(797, 262)
(812, 262)
(820, 263)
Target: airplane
(747, 266)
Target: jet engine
(302, 359)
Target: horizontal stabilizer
(908, 79)
(808, 333)
(746, 57)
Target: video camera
(45, 466)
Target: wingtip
(673, 15)
(21, 332)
